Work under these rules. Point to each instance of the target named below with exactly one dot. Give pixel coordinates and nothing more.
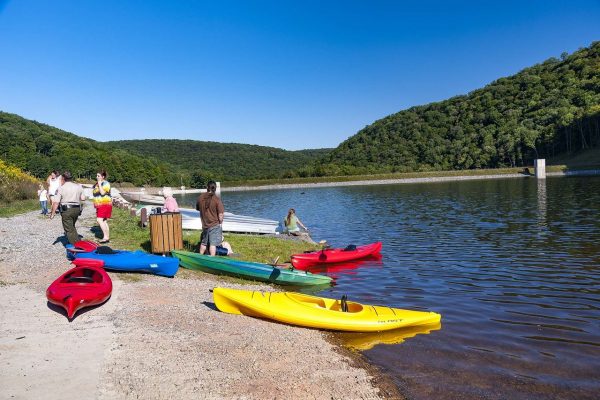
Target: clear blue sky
(294, 75)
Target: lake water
(513, 266)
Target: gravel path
(156, 338)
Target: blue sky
(293, 75)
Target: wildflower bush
(16, 184)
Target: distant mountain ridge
(39, 148)
(223, 161)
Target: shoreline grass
(401, 175)
(126, 233)
(19, 207)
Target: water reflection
(366, 341)
(541, 202)
(348, 267)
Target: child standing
(43, 196)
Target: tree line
(544, 111)
(223, 161)
(550, 109)
(38, 149)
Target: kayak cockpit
(327, 304)
(83, 275)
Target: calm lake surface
(513, 266)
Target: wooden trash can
(165, 232)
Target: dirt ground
(155, 338)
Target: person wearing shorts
(211, 214)
(103, 204)
(210, 236)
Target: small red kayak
(82, 286)
(83, 246)
(329, 256)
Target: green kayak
(248, 270)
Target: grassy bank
(18, 191)
(582, 160)
(125, 233)
(406, 175)
(18, 207)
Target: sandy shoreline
(155, 338)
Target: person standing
(103, 204)
(53, 182)
(170, 204)
(69, 195)
(211, 214)
(43, 196)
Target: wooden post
(540, 168)
(218, 192)
(143, 217)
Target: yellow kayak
(318, 312)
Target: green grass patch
(587, 160)
(257, 248)
(372, 177)
(18, 207)
(126, 233)
(265, 248)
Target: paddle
(282, 265)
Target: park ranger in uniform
(69, 195)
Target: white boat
(231, 222)
(143, 198)
(190, 219)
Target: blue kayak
(129, 261)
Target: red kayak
(80, 287)
(83, 246)
(328, 256)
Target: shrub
(16, 184)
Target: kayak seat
(350, 247)
(105, 250)
(80, 279)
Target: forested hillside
(223, 161)
(547, 110)
(38, 149)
